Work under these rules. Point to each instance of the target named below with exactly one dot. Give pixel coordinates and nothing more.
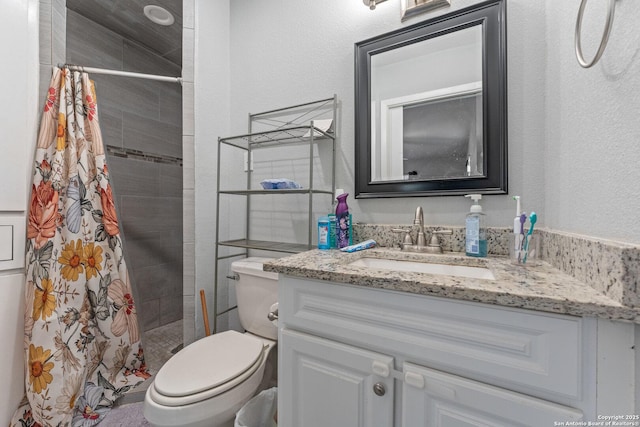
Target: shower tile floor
(162, 343)
(159, 345)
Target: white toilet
(208, 381)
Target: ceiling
(126, 18)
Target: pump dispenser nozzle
(476, 206)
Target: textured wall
(296, 50)
(211, 65)
(572, 133)
(593, 132)
(18, 41)
(145, 116)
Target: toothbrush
(533, 218)
(523, 219)
(516, 220)
(518, 212)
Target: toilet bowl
(208, 381)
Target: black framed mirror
(431, 107)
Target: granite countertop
(538, 287)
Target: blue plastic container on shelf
(324, 241)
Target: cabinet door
(325, 383)
(434, 399)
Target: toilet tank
(256, 292)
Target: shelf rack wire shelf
(309, 123)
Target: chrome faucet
(419, 221)
(421, 242)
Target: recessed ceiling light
(159, 15)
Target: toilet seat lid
(208, 363)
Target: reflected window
(443, 138)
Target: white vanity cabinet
(332, 384)
(357, 356)
(435, 398)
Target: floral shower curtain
(82, 342)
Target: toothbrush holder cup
(525, 249)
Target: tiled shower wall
(141, 122)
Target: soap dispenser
(476, 234)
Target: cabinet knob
(378, 388)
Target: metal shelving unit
(297, 124)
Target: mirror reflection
(427, 102)
(431, 107)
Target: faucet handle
(407, 240)
(434, 242)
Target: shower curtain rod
(121, 73)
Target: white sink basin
(425, 267)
